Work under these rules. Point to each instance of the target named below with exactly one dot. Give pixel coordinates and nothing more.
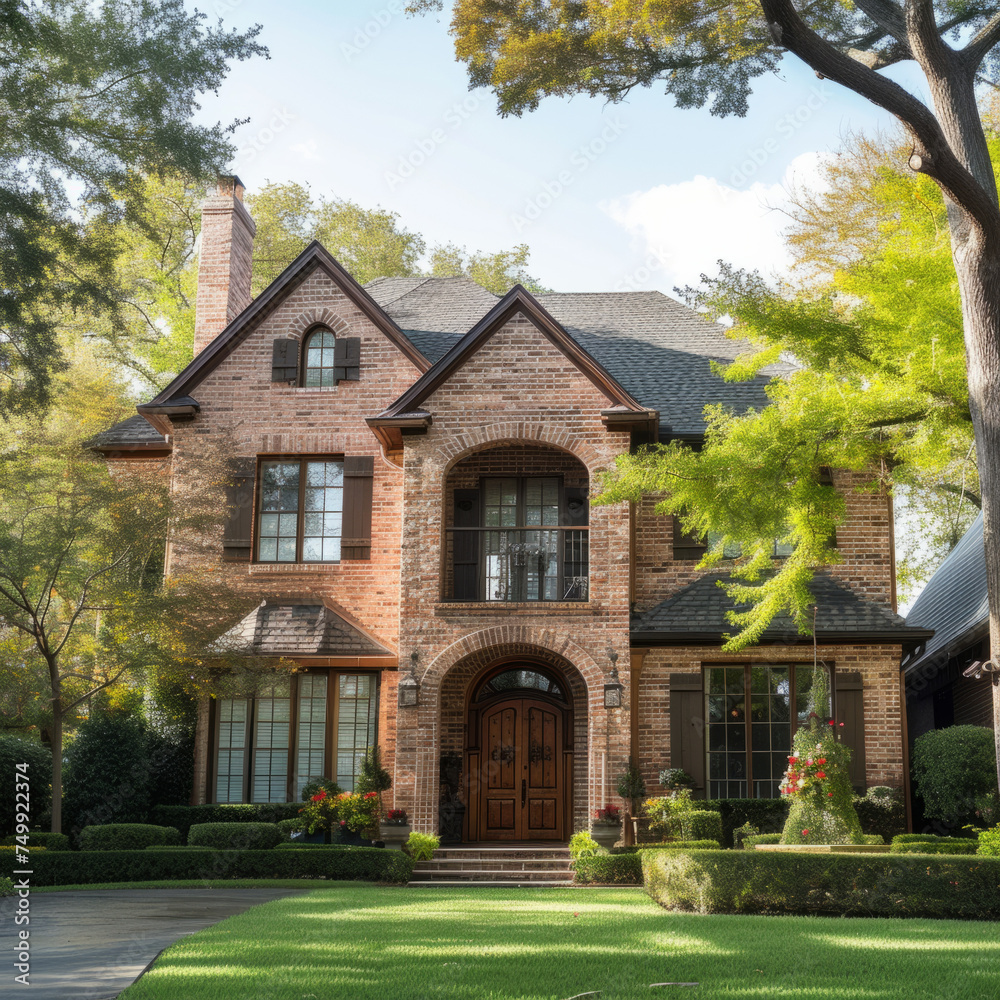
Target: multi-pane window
(752, 713)
(301, 510)
(318, 360)
(297, 729)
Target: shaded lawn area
(374, 943)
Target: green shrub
(881, 812)
(127, 837)
(78, 868)
(582, 845)
(108, 777)
(849, 884)
(948, 845)
(666, 812)
(702, 825)
(609, 869)
(286, 827)
(872, 838)
(372, 776)
(917, 838)
(421, 846)
(952, 768)
(767, 815)
(235, 836)
(38, 838)
(761, 838)
(989, 842)
(670, 845)
(184, 817)
(14, 751)
(6, 886)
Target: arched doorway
(520, 754)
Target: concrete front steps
(501, 865)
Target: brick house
(412, 464)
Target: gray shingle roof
(700, 610)
(659, 350)
(134, 432)
(299, 630)
(954, 602)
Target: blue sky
(362, 102)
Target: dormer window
(318, 364)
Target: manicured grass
(213, 883)
(373, 943)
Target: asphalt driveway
(91, 945)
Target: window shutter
(238, 526)
(465, 546)
(359, 472)
(347, 359)
(686, 545)
(575, 506)
(285, 361)
(849, 701)
(687, 726)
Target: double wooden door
(521, 787)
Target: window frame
(331, 733)
(301, 512)
(793, 667)
(303, 383)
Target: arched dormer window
(318, 361)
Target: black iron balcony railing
(518, 564)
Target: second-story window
(520, 539)
(318, 361)
(301, 510)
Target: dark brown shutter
(687, 545)
(849, 702)
(687, 727)
(465, 546)
(285, 361)
(356, 543)
(238, 526)
(575, 506)
(347, 359)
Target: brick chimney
(227, 233)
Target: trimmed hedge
(850, 884)
(609, 869)
(957, 845)
(53, 841)
(127, 837)
(286, 827)
(702, 825)
(753, 840)
(880, 814)
(369, 864)
(235, 836)
(671, 845)
(923, 838)
(184, 817)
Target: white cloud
(690, 226)
(308, 150)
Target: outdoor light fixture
(613, 687)
(409, 687)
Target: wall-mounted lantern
(613, 687)
(409, 687)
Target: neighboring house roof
(297, 630)
(134, 434)
(954, 602)
(696, 615)
(433, 305)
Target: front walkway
(90, 945)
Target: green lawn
(367, 942)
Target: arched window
(318, 360)
(520, 680)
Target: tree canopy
(92, 95)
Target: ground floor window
(296, 729)
(753, 712)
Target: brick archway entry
(519, 754)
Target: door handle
(524, 791)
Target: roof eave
(909, 639)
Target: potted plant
(631, 787)
(394, 829)
(373, 778)
(607, 826)
(676, 779)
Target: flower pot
(394, 835)
(606, 834)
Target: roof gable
(314, 256)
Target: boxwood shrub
(184, 817)
(6, 886)
(369, 864)
(854, 884)
(235, 836)
(609, 869)
(126, 837)
(989, 842)
(38, 838)
(761, 838)
(953, 845)
(671, 845)
(702, 825)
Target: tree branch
(960, 491)
(977, 49)
(887, 15)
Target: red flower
(841, 725)
(833, 722)
(805, 833)
(821, 774)
(829, 795)
(822, 760)
(793, 760)
(319, 796)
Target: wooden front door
(521, 794)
